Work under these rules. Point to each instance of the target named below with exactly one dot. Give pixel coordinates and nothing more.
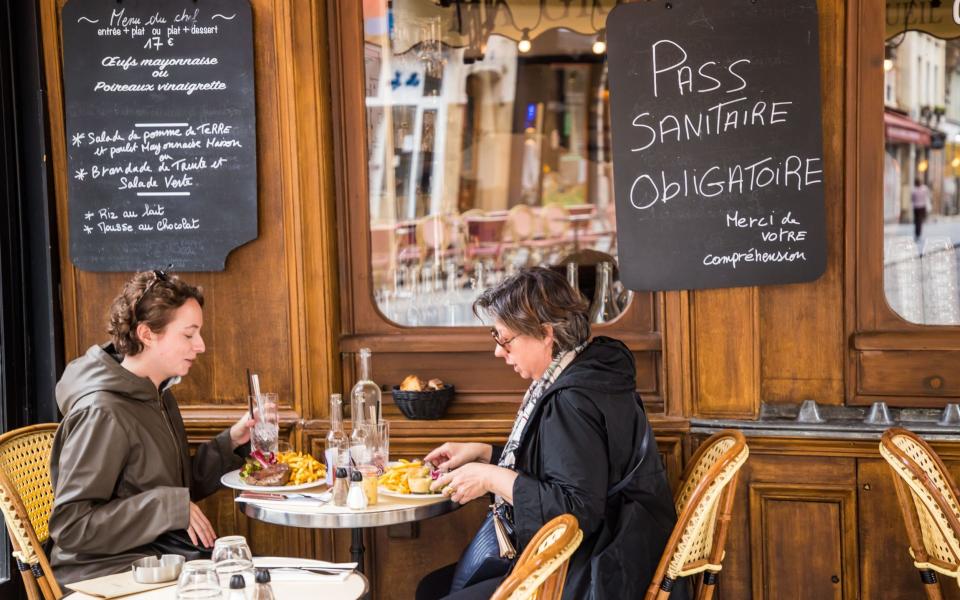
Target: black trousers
(919, 215)
(436, 585)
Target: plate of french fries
(305, 472)
(407, 479)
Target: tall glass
(198, 581)
(231, 556)
(378, 441)
(266, 432)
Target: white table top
(353, 588)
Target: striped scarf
(508, 459)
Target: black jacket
(582, 439)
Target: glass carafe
(573, 276)
(337, 447)
(604, 307)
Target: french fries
(396, 477)
(303, 467)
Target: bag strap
(641, 454)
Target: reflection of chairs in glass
(433, 237)
(928, 499)
(521, 226)
(549, 241)
(383, 253)
(406, 240)
(484, 236)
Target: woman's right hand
(454, 454)
(200, 528)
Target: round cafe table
(389, 510)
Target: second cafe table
(388, 511)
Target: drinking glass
(266, 432)
(198, 581)
(231, 556)
(378, 441)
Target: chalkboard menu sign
(717, 149)
(161, 139)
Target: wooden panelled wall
(296, 305)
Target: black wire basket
(429, 404)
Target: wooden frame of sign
(717, 145)
(161, 129)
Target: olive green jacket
(121, 468)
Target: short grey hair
(535, 297)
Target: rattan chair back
(927, 496)
(704, 502)
(541, 570)
(26, 499)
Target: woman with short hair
(124, 481)
(581, 444)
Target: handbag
(490, 553)
(175, 542)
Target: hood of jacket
(605, 365)
(97, 370)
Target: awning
(900, 129)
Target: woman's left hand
(240, 431)
(465, 483)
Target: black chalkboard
(717, 146)
(161, 132)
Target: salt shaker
(263, 589)
(340, 487)
(356, 498)
(236, 588)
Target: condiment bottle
(340, 486)
(356, 499)
(237, 585)
(263, 591)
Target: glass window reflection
(921, 199)
(488, 150)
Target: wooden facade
(297, 303)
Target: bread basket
(428, 404)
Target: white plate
(232, 480)
(386, 492)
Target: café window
(488, 150)
(921, 172)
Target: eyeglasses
(157, 276)
(502, 343)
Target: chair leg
(45, 588)
(708, 585)
(29, 582)
(931, 584)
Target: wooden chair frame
(901, 465)
(727, 466)
(541, 572)
(32, 561)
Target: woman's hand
(240, 431)
(200, 530)
(465, 483)
(455, 454)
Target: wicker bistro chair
(26, 499)
(928, 500)
(541, 570)
(704, 502)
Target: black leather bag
(481, 560)
(176, 542)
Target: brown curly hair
(535, 297)
(150, 297)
